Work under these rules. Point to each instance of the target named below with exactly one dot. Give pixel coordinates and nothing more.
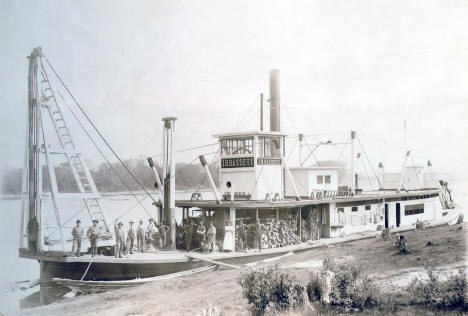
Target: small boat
(84, 286)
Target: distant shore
(116, 193)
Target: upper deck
(374, 196)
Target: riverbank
(193, 294)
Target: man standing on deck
(150, 231)
(201, 231)
(190, 233)
(131, 237)
(163, 229)
(140, 236)
(258, 235)
(211, 234)
(77, 233)
(93, 234)
(33, 229)
(242, 229)
(119, 239)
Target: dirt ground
(194, 294)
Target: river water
(14, 269)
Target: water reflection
(48, 293)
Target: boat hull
(121, 270)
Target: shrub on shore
(440, 295)
(271, 288)
(344, 289)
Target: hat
(131, 222)
(151, 220)
(78, 221)
(95, 220)
(119, 223)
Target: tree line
(114, 177)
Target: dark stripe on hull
(126, 271)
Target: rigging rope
(248, 116)
(291, 150)
(204, 177)
(341, 153)
(417, 177)
(368, 161)
(256, 181)
(188, 149)
(66, 222)
(131, 208)
(103, 156)
(99, 133)
(367, 173)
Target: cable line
(104, 157)
(99, 133)
(375, 174)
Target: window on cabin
(319, 179)
(354, 209)
(368, 208)
(414, 209)
(237, 146)
(267, 148)
(327, 179)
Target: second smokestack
(275, 100)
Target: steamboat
(300, 206)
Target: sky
(345, 65)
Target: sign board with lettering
(241, 162)
(268, 161)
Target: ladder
(77, 163)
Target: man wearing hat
(119, 239)
(93, 234)
(150, 232)
(77, 233)
(130, 237)
(140, 236)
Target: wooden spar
(213, 262)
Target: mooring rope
(89, 265)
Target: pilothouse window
(237, 146)
(267, 148)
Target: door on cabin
(398, 215)
(386, 215)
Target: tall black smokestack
(275, 101)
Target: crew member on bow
(93, 234)
(77, 233)
(119, 239)
(140, 236)
(131, 237)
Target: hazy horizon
(345, 65)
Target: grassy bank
(376, 258)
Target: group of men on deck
(154, 235)
(243, 229)
(206, 236)
(311, 226)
